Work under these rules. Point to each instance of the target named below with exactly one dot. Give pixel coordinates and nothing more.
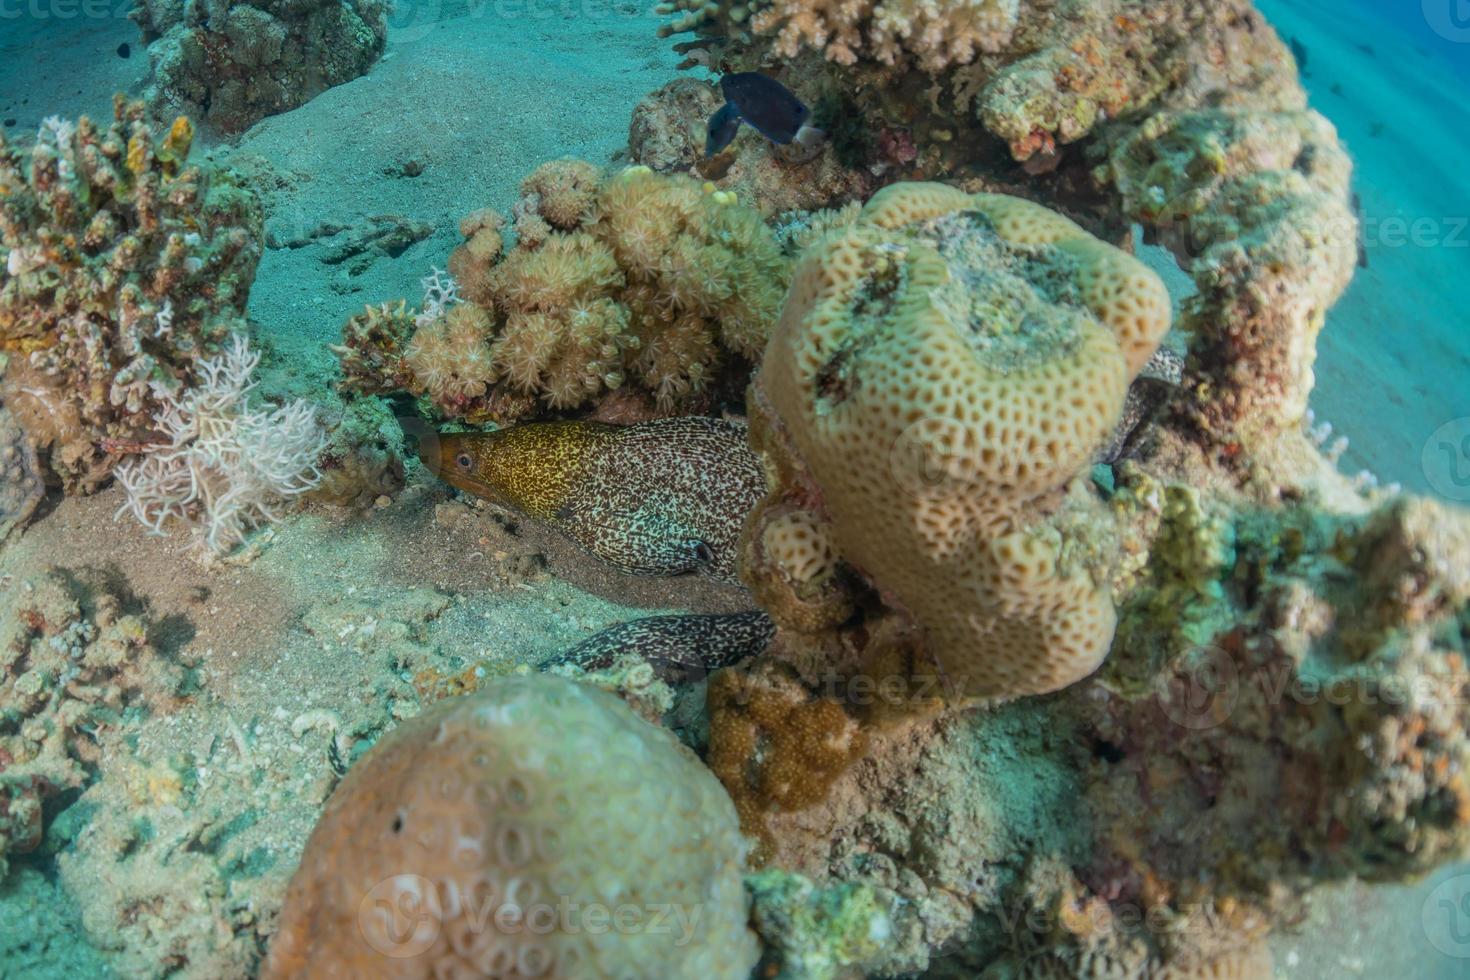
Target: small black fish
(125, 50)
(760, 101)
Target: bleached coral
(225, 465)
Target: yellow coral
(636, 276)
(450, 358)
(941, 367)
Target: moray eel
(657, 498)
(680, 648)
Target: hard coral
(231, 63)
(490, 834)
(21, 486)
(125, 267)
(631, 278)
(942, 368)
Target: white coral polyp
(222, 466)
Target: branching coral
(124, 267)
(226, 465)
(632, 278)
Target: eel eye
(463, 461)
(703, 552)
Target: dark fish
(759, 100)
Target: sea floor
(346, 615)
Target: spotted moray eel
(657, 498)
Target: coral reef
(127, 266)
(232, 63)
(635, 284)
(224, 465)
(658, 498)
(76, 668)
(667, 135)
(1185, 117)
(815, 933)
(941, 369)
(471, 826)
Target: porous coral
(75, 667)
(223, 465)
(633, 282)
(941, 370)
(464, 842)
(126, 266)
(231, 63)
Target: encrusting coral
(126, 267)
(493, 833)
(630, 282)
(943, 367)
(225, 465)
(231, 63)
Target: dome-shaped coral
(941, 367)
(537, 828)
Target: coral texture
(232, 63)
(634, 281)
(532, 803)
(21, 484)
(126, 266)
(661, 497)
(941, 368)
(226, 465)
(74, 668)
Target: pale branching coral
(124, 267)
(226, 465)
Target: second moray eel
(657, 498)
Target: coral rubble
(482, 835)
(231, 63)
(77, 671)
(126, 267)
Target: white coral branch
(225, 466)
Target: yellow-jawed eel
(656, 498)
